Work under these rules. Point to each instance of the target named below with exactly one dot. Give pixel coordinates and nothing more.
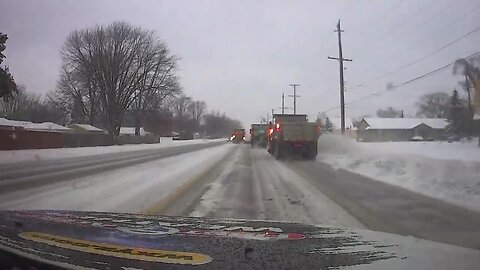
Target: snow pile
(446, 171)
(13, 156)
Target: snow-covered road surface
(253, 185)
(16, 156)
(131, 189)
(37, 173)
(235, 181)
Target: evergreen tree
(328, 124)
(455, 115)
(7, 84)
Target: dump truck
(290, 134)
(258, 135)
(238, 135)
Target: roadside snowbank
(13, 156)
(446, 171)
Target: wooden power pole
(294, 97)
(340, 60)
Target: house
(401, 129)
(47, 127)
(84, 128)
(130, 131)
(26, 125)
(15, 135)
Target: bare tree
(181, 106)
(389, 112)
(470, 68)
(198, 109)
(116, 65)
(158, 83)
(434, 105)
(30, 107)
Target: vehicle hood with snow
(79, 240)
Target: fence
(136, 139)
(17, 139)
(26, 139)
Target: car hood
(115, 240)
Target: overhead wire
(426, 19)
(419, 59)
(409, 81)
(459, 18)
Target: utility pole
(340, 60)
(272, 113)
(470, 109)
(283, 104)
(294, 97)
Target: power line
(456, 20)
(388, 33)
(420, 59)
(425, 19)
(410, 46)
(391, 88)
(377, 21)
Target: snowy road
(239, 182)
(16, 176)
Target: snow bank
(13, 156)
(446, 171)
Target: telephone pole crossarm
(294, 85)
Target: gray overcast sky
(239, 56)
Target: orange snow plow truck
(238, 135)
(293, 134)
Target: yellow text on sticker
(145, 254)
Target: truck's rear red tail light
(278, 127)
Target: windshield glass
(356, 114)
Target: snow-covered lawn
(447, 171)
(7, 156)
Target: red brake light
(278, 127)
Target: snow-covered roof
(12, 123)
(45, 126)
(404, 123)
(88, 127)
(131, 131)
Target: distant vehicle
(184, 135)
(238, 135)
(417, 138)
(453, 138)
(258, 135)
(293, 134)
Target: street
(233, 181)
